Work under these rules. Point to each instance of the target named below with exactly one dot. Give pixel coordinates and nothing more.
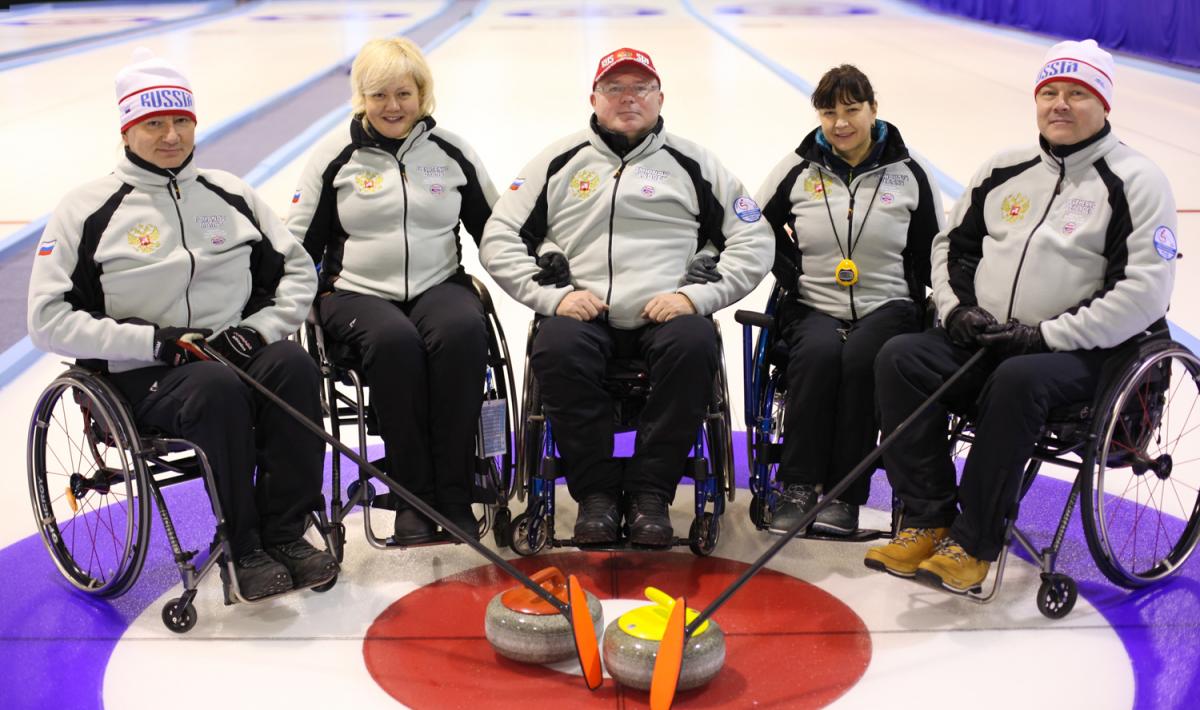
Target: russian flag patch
(296, 197)
(45, 248)
(516, 184)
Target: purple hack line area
(64, 638)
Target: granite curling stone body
(631, 645)
(524, 627)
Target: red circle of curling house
(788, 643)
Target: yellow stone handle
(660, 597)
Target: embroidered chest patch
(816, 186)
(368, 183)
(144, 238)
(1014, 207)
(584, 183)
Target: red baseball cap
(624, 55)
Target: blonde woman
(378, 208)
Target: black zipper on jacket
(173, 187)
(404, 223)
(1012, 296)
(612, 215)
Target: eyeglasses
(617, 90)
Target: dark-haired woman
(854, 215)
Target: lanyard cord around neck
(851, 241)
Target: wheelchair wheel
(87, 486)
(1140, 515)
(529, 535)
(178, 616)
(1056, 596)
(501, 527)
(703, 535)
(718, 430)
(532, 429)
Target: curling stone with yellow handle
(524, 627)
(631, 645)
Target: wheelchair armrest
(754, 318)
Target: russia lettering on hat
(1083, 63)
(150, 87)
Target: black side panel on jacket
(712, 214)
(922, 226)
(86, 294)
(533, 231)
(966, 240)
(1116, 237)
(475, 211)
(778, 212)
(266, 264)
(325, 239)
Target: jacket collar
(621, 147)
(889, 148)
(141, 173)
(368, 137)
(1078, 156)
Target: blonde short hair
(382, 61)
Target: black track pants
(424, 361)
(830, 422)
(239, 430)
(569, 360)
(1012, 397)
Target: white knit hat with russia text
(1080, 62)
(151, 87)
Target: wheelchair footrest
(860, 535)
(622, 545)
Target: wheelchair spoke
(74, 448)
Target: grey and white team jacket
(1082, 242)
(195, 248)
(382, 216)
(628, 227)
(883, 216)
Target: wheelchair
(344, 401)
(710, 466)
(1134, 452)
(765, 361)
(92, 477)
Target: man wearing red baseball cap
(613, 215)
(1057, 256)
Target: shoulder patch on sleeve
(1164, 243)
(746, 209)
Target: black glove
(703, 270)
(965, 323)
(237, 344)
(1013, 338)
(555, 271)
(175, 347)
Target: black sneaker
(649, 520)
(308, 566)
(259, 576)
(461, 515)
(795, 501)
(412, 528)
(838, 518)
(599, 520)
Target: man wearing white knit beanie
(1058, 257)
(157, 110)
(133, 267)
